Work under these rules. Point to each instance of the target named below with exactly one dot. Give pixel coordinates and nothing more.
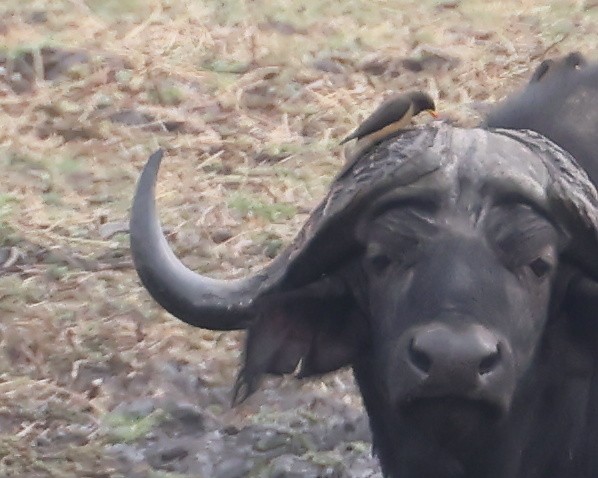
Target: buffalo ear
(305, 335)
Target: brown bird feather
(393, 114)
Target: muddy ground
(249, 99)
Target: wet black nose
(459, 357)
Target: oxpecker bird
(392, 115)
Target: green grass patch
(127, 428)
(69, 165)
(6, 205)
(112, 8)
(221, 65)
(249, 206)
(166, 94)
(282, 150)
(271, 243)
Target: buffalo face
(458, 299)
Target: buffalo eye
(379, 263)
(540, 267)
(377, 260)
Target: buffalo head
(452, 270)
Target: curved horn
(231, 304)
(193, 298)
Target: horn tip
(150, 172)
(157, 155)
(155, 159)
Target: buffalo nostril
(489, 363)
(419, 358)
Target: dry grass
(249, 99)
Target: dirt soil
(249, 99)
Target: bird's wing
(387, 113)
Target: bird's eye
(540, 267)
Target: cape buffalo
(454, 270)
